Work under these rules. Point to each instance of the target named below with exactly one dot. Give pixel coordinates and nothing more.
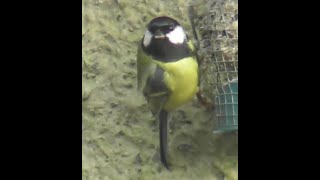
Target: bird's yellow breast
(181, 78)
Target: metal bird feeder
(217, 30)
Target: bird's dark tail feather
(163, 118)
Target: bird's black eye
(152, 29)
(171, 27)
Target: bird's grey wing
(155, 91)
(151, 82)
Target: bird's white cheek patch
(147, 38)
(177, 36)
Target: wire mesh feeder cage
(217, 31)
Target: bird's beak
(159, 35)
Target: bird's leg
(205, 101)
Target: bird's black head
(161, 26)
(165, 39)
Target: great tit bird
(168, 74)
